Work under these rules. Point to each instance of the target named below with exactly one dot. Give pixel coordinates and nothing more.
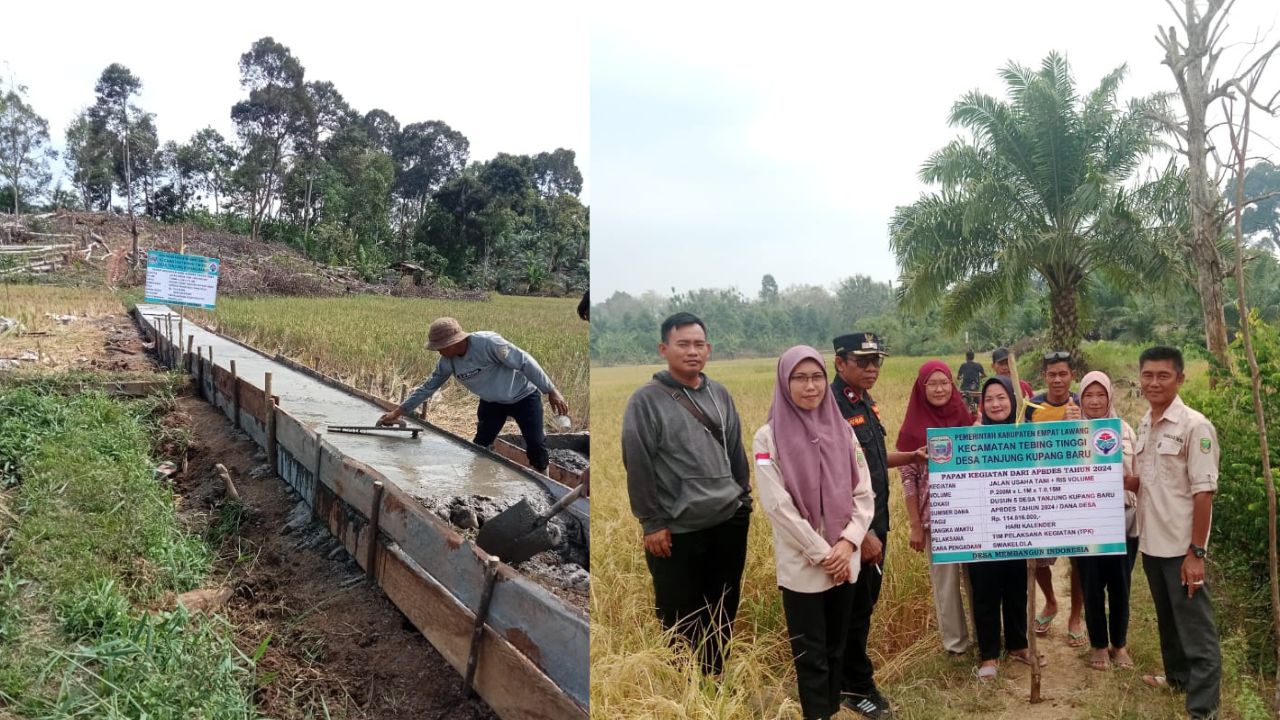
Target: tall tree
(427, 155)
(88, 156)
(1263, 181)
(557, 172)
(1037, 192)
(1192, 57)
(24, 146)
(113, 112)
(268, 122)
(768, 289)
(213, 160)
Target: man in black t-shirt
(858, 360)
(970, 374)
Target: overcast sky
(511, 76)
(729, 144)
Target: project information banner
(190, 280)
(1026, 491)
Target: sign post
(188, 280)
(1026, 491)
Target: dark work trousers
(1188, 637)
(999, 593)
(1105, 582)
(818, 624)
(696, 589)
(859, 672)
(491, 416)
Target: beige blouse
(798, 549)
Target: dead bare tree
(1239, 136)
(1192, 57)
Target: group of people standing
(821, 465)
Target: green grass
(93, 554)
(376, 343)
(635, 675)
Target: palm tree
(1037, 191)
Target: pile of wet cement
(562, 567)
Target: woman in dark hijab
(999, 586)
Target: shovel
(518, 533)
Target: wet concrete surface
(431, 466)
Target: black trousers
(1105, 582)
(999, 593)
(818, 624)
(1188, 637)
(491, 416)
(696, 589)
(859, 672)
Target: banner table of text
(175, 279)
(998, 492)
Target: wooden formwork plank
(512, 686)
(549, 632)
(506, 677)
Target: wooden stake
(1020, 407)
(271, 425)
(226, 479)
(191, 340)
(235, 396)
(482, 614)
(168, 341)
(375, 514)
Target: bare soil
(335, 642)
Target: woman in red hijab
(935, 403)
(815, 487)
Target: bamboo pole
(235, 396)
(271, 425)
(375, 514)
(1033, 654)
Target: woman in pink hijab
(935, 403)
(1104, 579)
(814, 485)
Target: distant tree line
(306, 168)
(624, 328)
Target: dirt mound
(249, 267)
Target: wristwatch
(1198, 551)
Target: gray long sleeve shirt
(492, 368)
(679, 477)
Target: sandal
(1025, 660)
(1042, 623)
(1077, 639)
(1102, 663)
(1155, 681)
(1124, 662)
(986, 673)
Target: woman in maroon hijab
(815, 487)
(935, 403)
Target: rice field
(376, 343)
(31, 305)
(634, 674)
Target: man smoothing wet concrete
(508, 381)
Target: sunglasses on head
(1057, 356)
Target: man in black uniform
(858, 359)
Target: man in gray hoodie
(690, 488)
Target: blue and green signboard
(190, 280)
(1034, 490)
